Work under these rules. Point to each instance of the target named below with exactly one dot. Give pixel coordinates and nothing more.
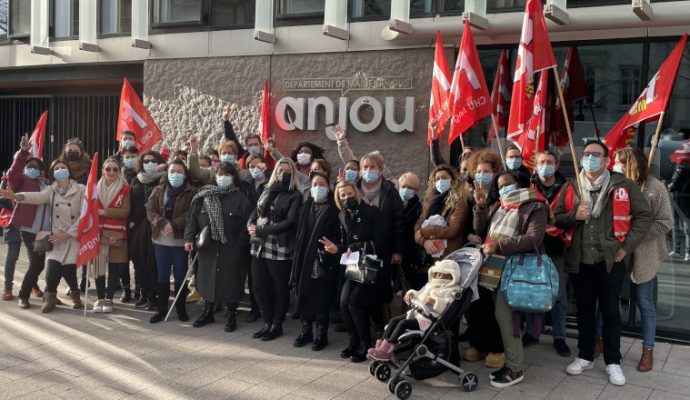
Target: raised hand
(193, 143)
(269, 145)
(328, 246)
(433, 125)
(226, 113)
(339, 132)
(25, 145)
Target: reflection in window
(176, 11)
(65, 18)
(505, 5)
(3, 18)
(630, 83)
(116, 16)
(594, 3)
(20, 17)
(421, 8)
(299, 8)
(371, 9)
(232, 13)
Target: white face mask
(303, 158)
(224, 180)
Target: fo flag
(651, 103)
(38, 137)
(469, 94)
(534, 54)
(532, 141)
(682, 154)
(439, 102)
(574, 86)
(135, 117)
(89, 231)
(500, 98)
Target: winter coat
(553, 245)
(680, 188)
(155, 210)
(454, 232)
(442, 293)
(531, 226)
(206, 176)
(119, 254)
(391, 219)
(652, 251)
(640, 224)
(139, 242)
(23, 214)
(221, 266)
(413, 255)
(282, 217)
(66, 208)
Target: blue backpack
(529, 282)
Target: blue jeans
(14, 246)
(167, 256)
(680, 224)
(644, 297)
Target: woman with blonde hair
(272, 227)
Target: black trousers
(399, 325)
(593, 283)
(270, 283)
(146, 278)
(482, 329)
(36, 264)
(357, 319)
(124, 275)
(114, 270)
(55, 271)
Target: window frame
(209, 4)
(52, 24)
(369, 18)
(100, 34)
(314, 18)
(16, 36)
(179, 26)
(436, 6)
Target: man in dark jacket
(610, 218)
(680, 188)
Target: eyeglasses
(111, 169)
(149, 161)
(592, 154)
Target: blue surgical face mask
(617, 168)
(228, 158)
(513, 163)
(406, 194)
(370, 175)
(223, 180)
(484, 178)
(257, 174)
(129, 162)
(507, 190)
(591, 163)
(31, 173)
(546, 171)
(127, 143)
(350, 175)
(176, 179)
(150, 167)
(318, 193)
(61, 174)
(256, 150)
(442, 185)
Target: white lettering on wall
(286, 107)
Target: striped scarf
(504, 223)
(211, 194)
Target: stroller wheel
(403, 390)
(382, 372)
(468, 381)
(392, 383)
(372, 367)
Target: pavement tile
(578, 387)
(627, 392)
(661, 395)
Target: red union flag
(682, 154)
(38, 137)
(264, 128)
(651, 103)
(500, 97)
(469, 94)
(135, 118)
(574, 87)
(534, 54)
(89, 231)
(536, 125)
(439, 107)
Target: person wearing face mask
(225, 210)
(127, 140)
(253, 145)
(321, 166)
(413, 267)
(610, 218)
(63, 199)
(272, 227)
(351, 173)
(360, 227)
(77, 160)
(27, 219)
(511, 226)
(514, 160)
(315, 272)
(346, 154)
(128, 158)
(228, 153)
(166, 211)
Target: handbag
(203, 238)
(112, 238)
(490, 273)
(366, 270)
(42, 244)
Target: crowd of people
(245, 215)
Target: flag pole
(501, 149)
(86, 289)
(462, 142)
(594, 119)
(567, 128)
(655, 141)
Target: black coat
(315, 295)
(357, 230)
(392, 223)
(221, 267)
(282, 217)
(680, 188)
(139, 242)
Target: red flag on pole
(533, 140)
(38, 137)
(534, 54)
(682, 154)
(439, 102)
(500, 97)
(135, 117)
(574, 87)
(651, 103)
(89, 233)
(469, 94)
(264, 127)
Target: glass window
(506, 5)
(426, 8)
(594, 3)
(300, 9)
(65, 18)
(116, 16)
(3, 19)
(20, 17)
(229, 13)
(176, 11)
(370, 9)
(630, 83)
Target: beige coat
(118, 254)
(65, 217)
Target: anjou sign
(299, 113)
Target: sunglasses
(111, 169)
(149, 161)
(593, 154)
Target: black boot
(82, 284)
(321, 339)
(306, 336)
(231, 324)
(126, 295)
(275, 332)
(142, 300)
(152, 303)
(350, 349)
(137, 293)
(260, 334)
(163, 290)
(253, 315)
(206, 316)
(181, 306)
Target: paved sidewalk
(115, 356)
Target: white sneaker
(616, 376)
(576, 367)
(673, 253)
(108, 306)
(687, 257)
(98, 306)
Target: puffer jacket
(155, 210)
(23, 214)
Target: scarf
(172, 194)
(211, 195)
(148, 178)
(106, 194)
(265, 202)
(504, 223)
(371, 195)
(601, 185)
(80, 167)
(437, 203)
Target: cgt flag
(89, 234)
(500, 98)
(651, 103)
(574, 87)
(533, 140)
(469, 95)
(534, 54)
(135, 117)
(439, 102)
(38, 137)
(682, 154)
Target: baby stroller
(425, 354)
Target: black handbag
(44, 245)
(203, 238)
(366, 270)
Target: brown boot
(76, 300)
(49, 302)
(646, 361)
(598, 347)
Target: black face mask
(350, 204)
(285, 178)
(72, 156)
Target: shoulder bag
(42, 244)
(366, 270)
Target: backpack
(529, 282)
